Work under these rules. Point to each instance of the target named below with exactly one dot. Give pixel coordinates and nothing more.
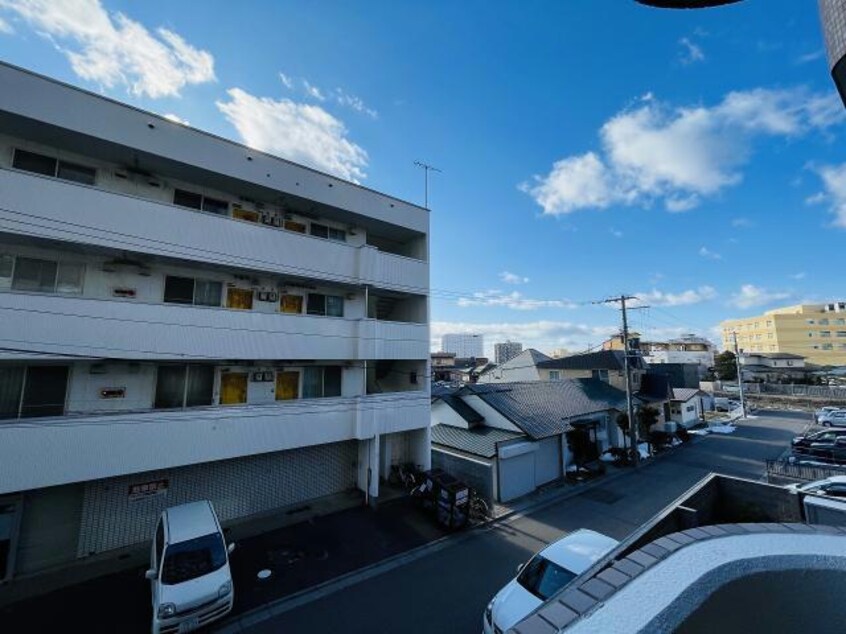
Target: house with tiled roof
(507, 439)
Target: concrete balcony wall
(51, 451)
(47, 208)
(113, 329)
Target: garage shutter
(547, 460)
(516, 476)
(237, 488)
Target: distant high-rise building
(833, 17)
(506, 351)
(463, 345)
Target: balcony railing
(51, 209)
(52, 451)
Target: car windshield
(543, 578)
(194, 558)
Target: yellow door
(245, 214)
(287, 385)
(241, 298)
(291, 304)
(233, 388)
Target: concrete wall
(478, 473)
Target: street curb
(285, 604)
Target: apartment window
(840, 322)
(758, 337)
(193, 200)
(841, 346)
(287, 385)
(769, 324)
(827, 346)
(49, 166)
(825, 333)
(823, 322)
(554, 375)
(756, 325)
(841, 333)
(320, 382)
(293, 225)
(322, 231)
(326, 305)
(602, 375)
(292, 304)
(33, 391)
(184, 386)
(187, 290)
(769, 335)
(47, 276)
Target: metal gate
(123, 511)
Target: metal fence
(785, 389)
(783, 470)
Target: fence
(788, 389)
(783, 472)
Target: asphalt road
(448, 590)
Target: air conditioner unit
(276, 221)
(257, 377)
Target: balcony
(115, 329)
(56, 210)
(54, 451)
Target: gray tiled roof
(479, 441)
(601, 360)
(684, 393)
(540, 408)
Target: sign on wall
(144, 490)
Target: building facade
(816, 332)
(464, 345)
(187, 318)
(833, 18)
(685, 349)
(506, 351)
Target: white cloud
(356, 103)
(543, 335)
(115, 50)
(798, 276)
(678, 155)
(742, 222)
(513, 278)
(513, 300)
(705, 252)
(691, 52)
(684, 298)
(834, 191)
(286, 81)
(616, 233)
(300, 132)
(313, 91)
(176, 118)
(5, 27)
(810, 57)
(751, 296)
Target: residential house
(605, 365)
(507, 439)
(774, 367)
(523, 367)
(442, 363)
(190, 318)
(686, 406)
(688, 348)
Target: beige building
(814, 331)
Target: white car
(824, 411)
(835, 486)
(544, 575)
(835, 418)
(189, 569)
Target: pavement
(448, 586)
(393, 570)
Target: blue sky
(587, 147)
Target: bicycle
(479, 510)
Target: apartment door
(291, 304)
(233, 388)
(287, 386)
(9, 509)
(241, 298)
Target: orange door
(241, 298)
(233, 388)
(287, 386)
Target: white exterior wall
(684, 417)
(443, 414)
(492, 417)
(703, 358)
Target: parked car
(818, 438)
(544, 575)
(835, 486)
(189, 571)
(834, 451)
(824, 411)
(836, 418)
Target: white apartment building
(685, 349)
(463, 345)
(183, 317)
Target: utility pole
(629, 404)
(739, 375)
(426, 169)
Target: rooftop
(479, 441)
(601, 360)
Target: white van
(189, 569)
